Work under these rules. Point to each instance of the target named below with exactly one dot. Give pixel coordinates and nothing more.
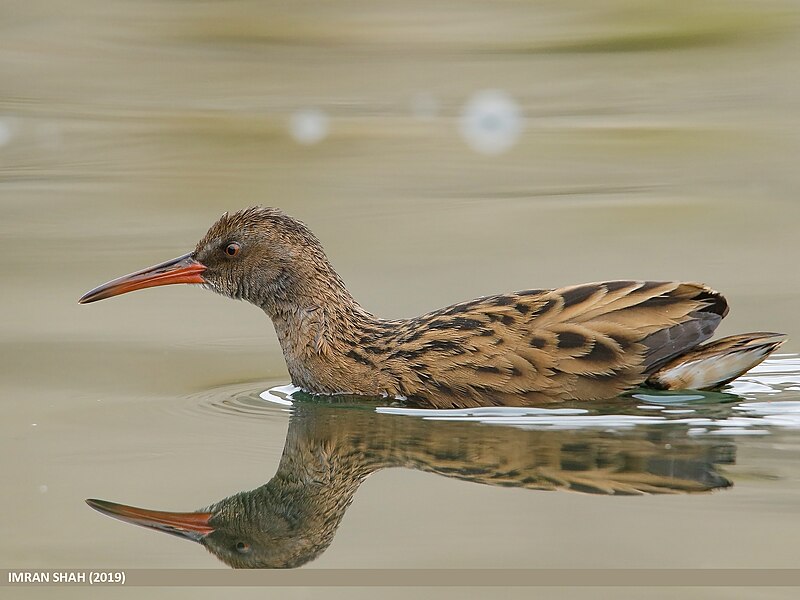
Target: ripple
(280, 394)
(230, 411)
(533, 418)
(744, 412)
(778, 374)
(712, 413)
(771, 408)
(222, 417)
(237, 400)
(478, 413)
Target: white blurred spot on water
(309, 126)
(491, 122)
(6, 130)
(424, 106)
(43, 489)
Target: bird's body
(577, 343)
(537, 346)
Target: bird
(332, 448)
(532, 347)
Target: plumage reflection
(331, 448)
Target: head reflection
(330, 449)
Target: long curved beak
(183, 269)
(190, 525)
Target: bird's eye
(232, 249)
(243, 547)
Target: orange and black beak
(184, 269)
(190, 525)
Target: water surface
(440, 153)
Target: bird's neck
(319, 326)
(311, 492)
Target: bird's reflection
(331, 448)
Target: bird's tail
(714, 364)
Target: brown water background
(654, 140)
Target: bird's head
(257, 254)
(242, 531)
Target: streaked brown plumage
(330, 450)
(583, 342)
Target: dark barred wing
(581, 342)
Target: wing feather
(576, 343)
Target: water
(674, 443)
(619, 140)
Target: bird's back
(581, 342)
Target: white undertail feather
(717, 363)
